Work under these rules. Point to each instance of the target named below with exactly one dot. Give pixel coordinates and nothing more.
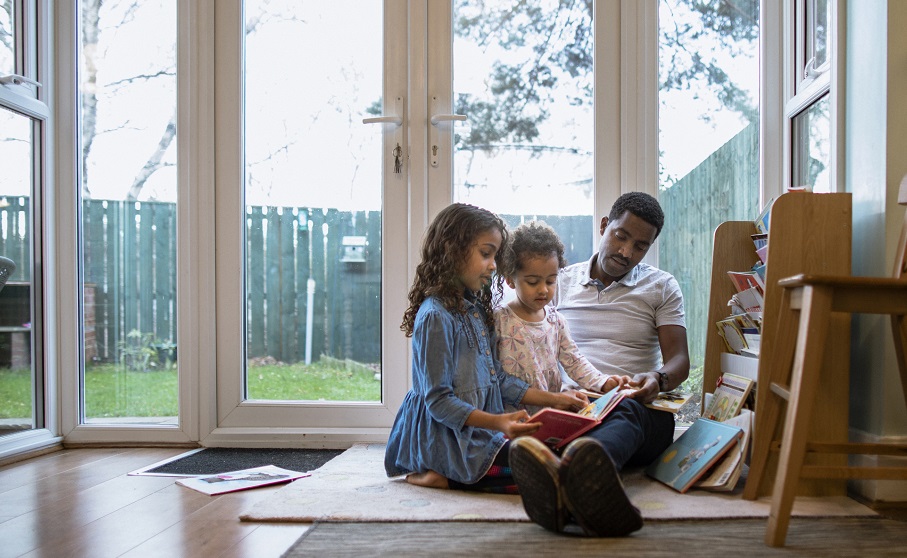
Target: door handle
(436, 121)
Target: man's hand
(646, 386)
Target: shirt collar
(628, 280)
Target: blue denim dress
(455, 370)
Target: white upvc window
(811, 110)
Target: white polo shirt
(616, 327)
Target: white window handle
(395, 120)
(438, 118)
(16, 79)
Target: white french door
(338, 138)
(311, 220)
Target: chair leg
(769, 404)
(814, 321)
(899, 329)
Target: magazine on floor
(244, 479)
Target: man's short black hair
(643, 206)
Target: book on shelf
(692, 454)
(746, 280)
(244, 479)
(729, 397)
(559, 427)
(725, 474)
(763, 220)
(739, 332)
(750, 300)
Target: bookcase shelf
(808, 233)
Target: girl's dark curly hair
(535, 238)
(448, 241)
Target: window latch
(16, 79)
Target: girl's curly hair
(448, 241)
(535, 238)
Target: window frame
(804, 87)
(33, 60)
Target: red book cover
(561, 427)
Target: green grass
(15, 393)
(111, 391)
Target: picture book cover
(241, 480)
(693, 453)
(726, 472)
(729, 397)
(559, 428)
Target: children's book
(745, 280)
(729, 397)
(244, 479)
(559, 428)
(670, 401)
(726, 472)
(694, 453)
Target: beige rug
(353, 487)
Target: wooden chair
(817, 297)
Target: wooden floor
(81, 502)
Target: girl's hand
(616, 381)
(570, 401)
(514, 425)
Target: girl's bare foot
(429, 479)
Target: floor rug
(811, 537)
(211, 461)
(353, 487)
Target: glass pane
(820, 18)
(7, 37)
(313, 198)
(523, 75)
(811, 143)
(128, 221)
(17, 370)
(708, 141)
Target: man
(627, 318)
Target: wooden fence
(130, 250)
(723, 187)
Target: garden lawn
(111, 391)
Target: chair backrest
(7, 267)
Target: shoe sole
(594, 493)
(538, 486)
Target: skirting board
(878, 492)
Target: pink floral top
(531, 351)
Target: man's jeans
(634, 434)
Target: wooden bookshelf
(808, 233)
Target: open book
(559, 428)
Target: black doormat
(212, 461)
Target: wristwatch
(662, 381)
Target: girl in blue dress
(451, 430)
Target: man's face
(624, 244)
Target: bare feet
(429, 479)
